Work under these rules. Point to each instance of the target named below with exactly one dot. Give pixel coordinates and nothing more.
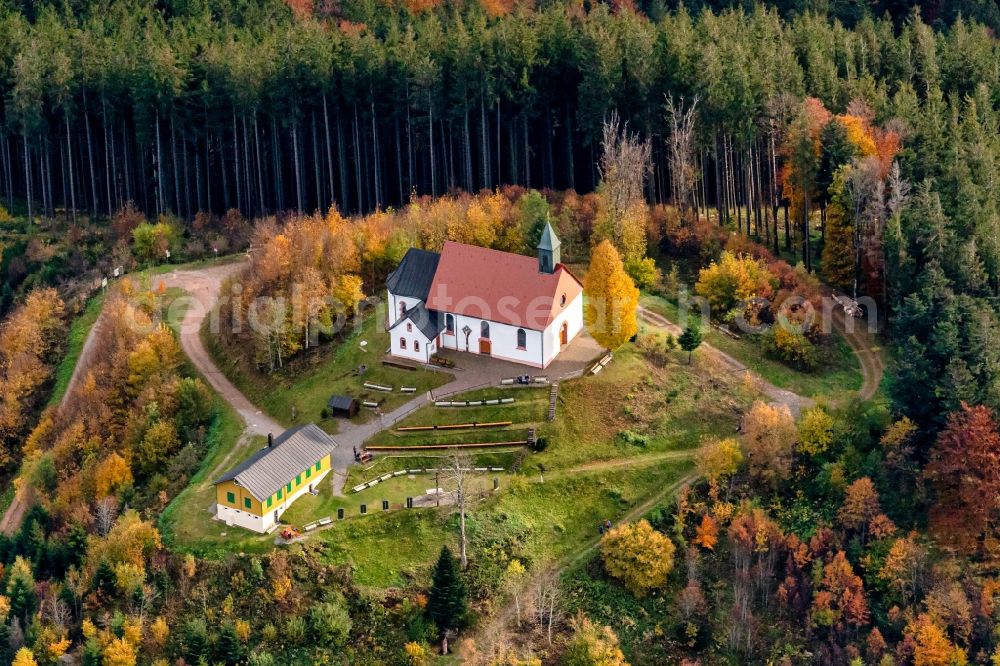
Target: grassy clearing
(557, 518)
(78, 332)
(187, 523)
(298, 393)
(673, 407)
(841, 374)
(562, 514)
(394, 549)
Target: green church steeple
(548, 250)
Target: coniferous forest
(834, 499)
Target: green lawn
(558, 517)
(187, 523)
(77, 336)
(310, 508)
(841, 374)
(674, 407)
(298, 393)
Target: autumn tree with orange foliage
(770, 435)
(840, 602)
(964, 471)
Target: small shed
(342, 405)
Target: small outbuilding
(342, 405)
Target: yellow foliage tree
(734, 278)
(859, 135)
(815, 431)
(129, 577)
(637, 555)
(932, 645)
(159, 631)
(593, 645)
(718, 459)
(119, 652)
(612, 298)
(156, 354)
(347, 291)
(770, 439)
(416, 654)
(242, 629)
(131, 540)
(112, 474)
(24, 657)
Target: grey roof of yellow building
(289, 454)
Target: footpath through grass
(841, 372)
(299, 392)
(78, 332)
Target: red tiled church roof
(500, 286)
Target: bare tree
(546, 602)
(105, 512)
(459, 474)
(56, 611)
(626, 161)
(684, 171)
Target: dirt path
(866, 347)
(795, 402)
(618, 463)
(202, 286)
(14, 514)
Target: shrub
(633, 438)
(151, 241)
(329, 624)
(638, 556)
(791, 347)
(643, 272)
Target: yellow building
(256, 492)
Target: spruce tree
(447, 603)
(690, 340)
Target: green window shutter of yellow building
(319, 465)
(309, 472)
(246, 502)
(289, 486)
(298, 479)
(279, 493)
(231, 498)
(270, 500)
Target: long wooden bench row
(455, 426)
(473, 403)
(424, 470)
